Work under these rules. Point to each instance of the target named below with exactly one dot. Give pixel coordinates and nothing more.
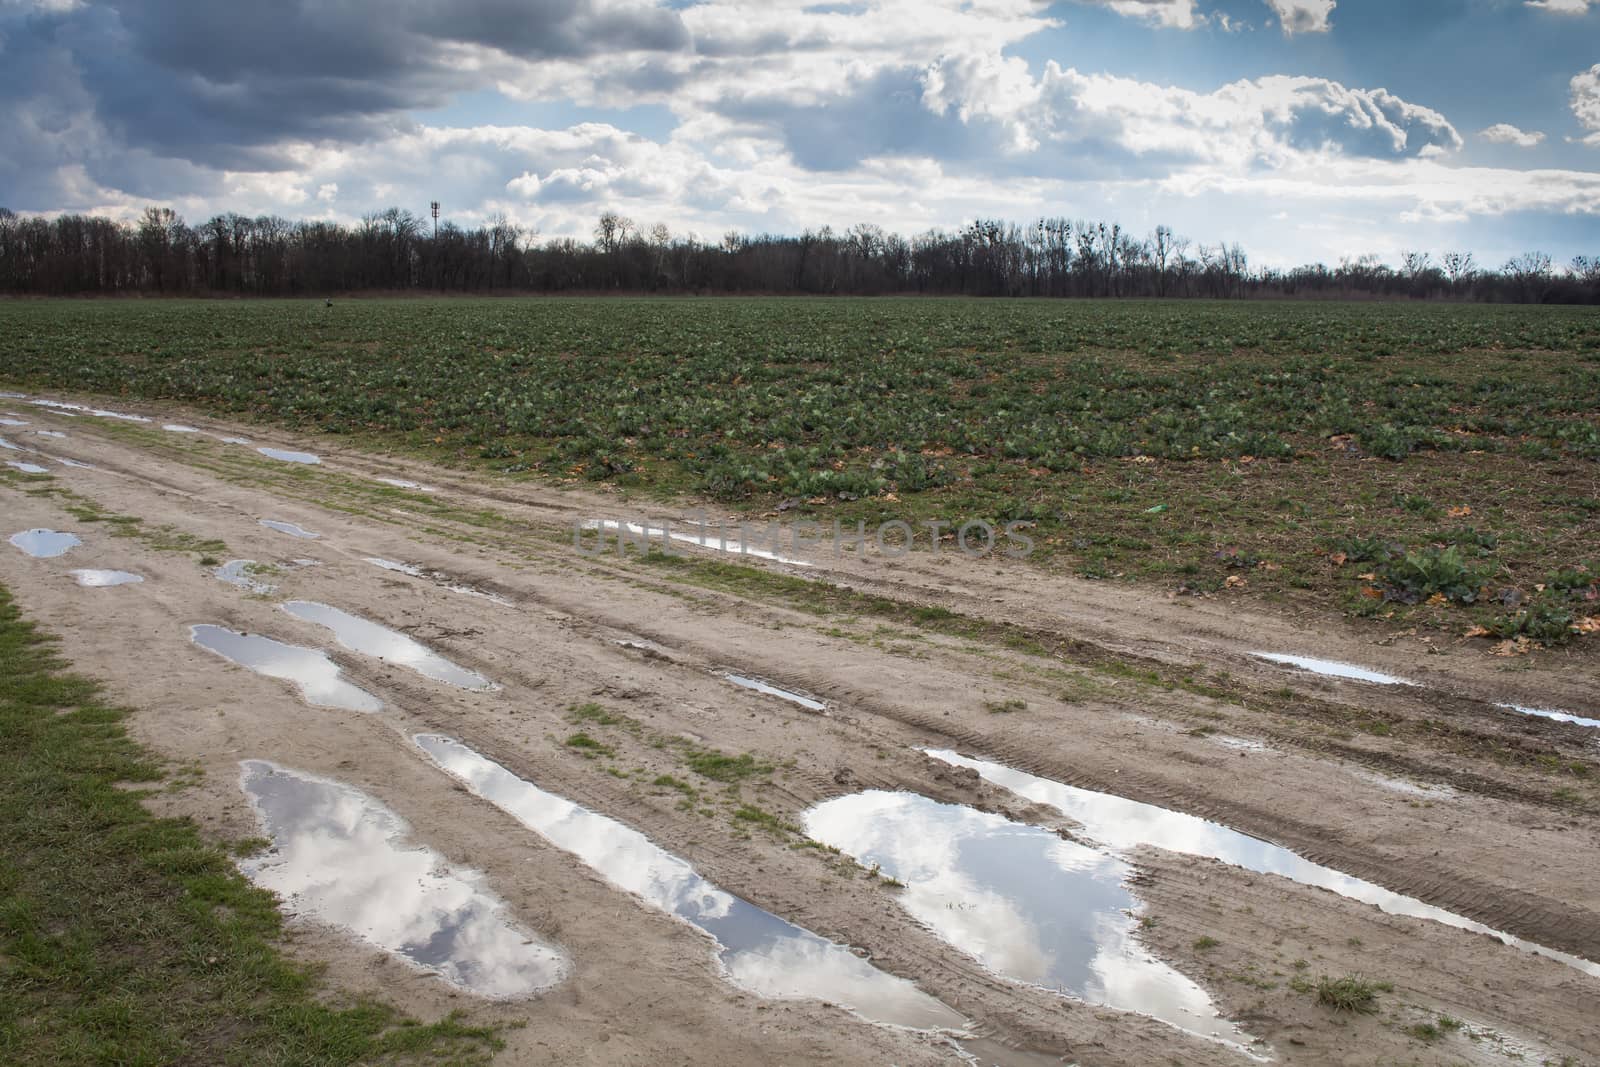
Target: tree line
(396, 250)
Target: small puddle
(1240, 744)
(13, 422)
(289, 457)
(437, 577)
(1024, 902)
(13, 446)
(241, 573)
(1120, 823)
(45, 544)
(343, 858)
(236, 440)
(319, 679)
(51, 433)
(75, 464)
(100, 579)
(1551, 713)
(762, 953)
(73, 409)
(289, 528)
(704, 540)
(1332, 668)
(174, 427)
(773, 691)
(401, 483)
(370, 639)
(26, 468)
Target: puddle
(1332, 668)
(1241, 744)
(370, 639)
(241, 572)
(318, 677)
(13, 422)
(1414, 789)
(13, 446)
(236, 440)
(1119, 823)
(401, 483)
(438, 577)
(101, 579)
(45, 544)
(1551, 713)
(773, 691)
(26, 468)
(50, 433)
(289, 457)
(75, 464)
(1026, 903)
(73, 409)
(289, 528)
(762, 953)
(342, 858)
(177, 428)
(704, 540)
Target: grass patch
(719, 767)
(127, 939)
(589, 746)
(1351, 993)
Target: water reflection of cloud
(318, 677)
(371, 639)
(761, 952)
(339, 858)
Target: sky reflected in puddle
(401, 483)
(1026, 903)
(12, 446)
(75, 464)
(1119, 823)
(288, 456)
(45, 544)
(173, 427)
(341, 857)
(13, 422)
(243, 573)
(1332, 668)
(771, 690)
(1552, 713)
(51, 433)
(704, 539)
(437, 577)
(27, 468)
(101, 579)
(318, 678)
(72, 409)
(761, 952)
(371, 639)
(289, 528)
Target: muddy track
(1505, 850)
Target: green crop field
(1436, 462)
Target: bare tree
(1459, 266)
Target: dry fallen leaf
(1438, 600)
(1236, 582)
(1478, 631)
(1460, 513)
(1519, 647)
(1368, 577)
(1589, 625)
(1338, 559)
(1372, 593)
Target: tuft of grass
(589, 746)
(128, 939)
(1205, 943)
(1002, 707)
(1352, 993)
(719, 767)
(594, 713)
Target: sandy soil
(1454, 801)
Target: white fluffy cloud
(1303, 16)
(1563, 7)
(1586, 102)
(1178, 14)
(1505, 133)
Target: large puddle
(1332, 668)
(342, 858)
(318, 677)
(289, 528)
(1020, 899)
(1552, 713)
(244, 573)
(773, 691)
(369, 638)
(45, 544)
(762, 953)
(288, 456)
(100, 579)
(1121, 824)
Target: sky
(1305, 130)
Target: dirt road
(1431, 790)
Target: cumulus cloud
(1303, 16)
(1179, 14)
(1586, 102)
(1505, 133)
(1563, 7)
